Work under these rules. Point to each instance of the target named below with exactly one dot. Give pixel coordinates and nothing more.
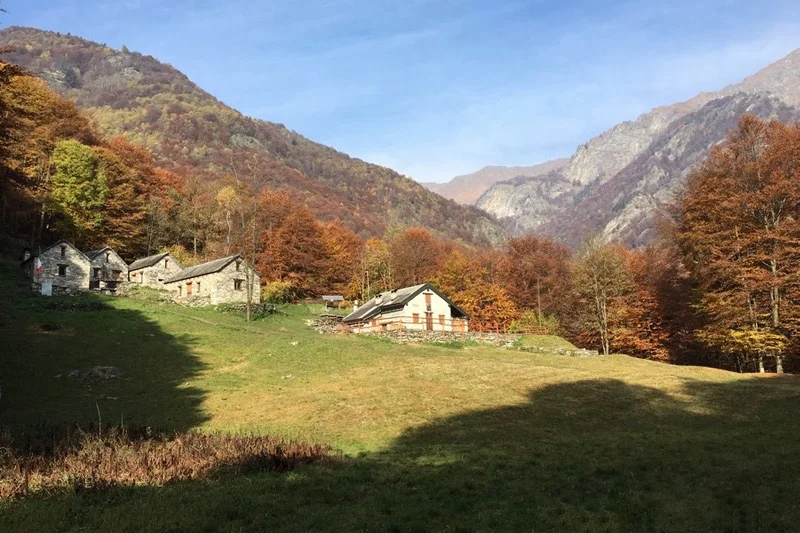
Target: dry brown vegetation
(86, 460)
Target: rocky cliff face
(619, 182)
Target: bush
(529, 322)
(279, 292)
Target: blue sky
(436, 88)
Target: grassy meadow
(434, 438)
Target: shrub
(279, 292)
(530, 322)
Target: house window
(116, 274)
(374, 322)
(238, 266)
(96, 273)
(166, 263)
(416, 318)
(188, 288)
(63, 252)
(180, 290)
(62, 270)
(441, 320)
(198, 287)
(108, 257)
(237, 284)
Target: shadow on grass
(594, 455)
(79, 359)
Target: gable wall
(154, 276)
(107, 264)
(78, 268)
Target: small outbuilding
(420, 307)
(333, 300)
(220, 281)
(153, 270)
(59, 269)
(109, 271)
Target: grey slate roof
(203, 269)
(148, 261)
(94, 253)
(393, 300)
(57, 243)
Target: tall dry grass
(88, 460)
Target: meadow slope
(435, 438)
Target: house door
(429, 321)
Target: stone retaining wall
(334, 325)
(577, 352)
(414, 336)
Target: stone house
(153, 270)
(220, 281)
(60, 266)
(419, 308)
(109, 271)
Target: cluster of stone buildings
(64, 269)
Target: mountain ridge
(557, 204)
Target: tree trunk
(539, 300)
(761, 364)
(779, 364)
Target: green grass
(436, 438)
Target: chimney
(355, 305)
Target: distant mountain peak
(467, 188)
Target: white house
(420, 307)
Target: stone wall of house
(76, 272)
(109, 267)
(154, 276)
(216, 288)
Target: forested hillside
(191, 132)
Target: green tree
(79, 191)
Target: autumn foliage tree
(467, 282)
(295, 252)
(415, 255)
(739, 232)
(600, 286)
(537, 274)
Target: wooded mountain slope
(188, 129)
(618, 182)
